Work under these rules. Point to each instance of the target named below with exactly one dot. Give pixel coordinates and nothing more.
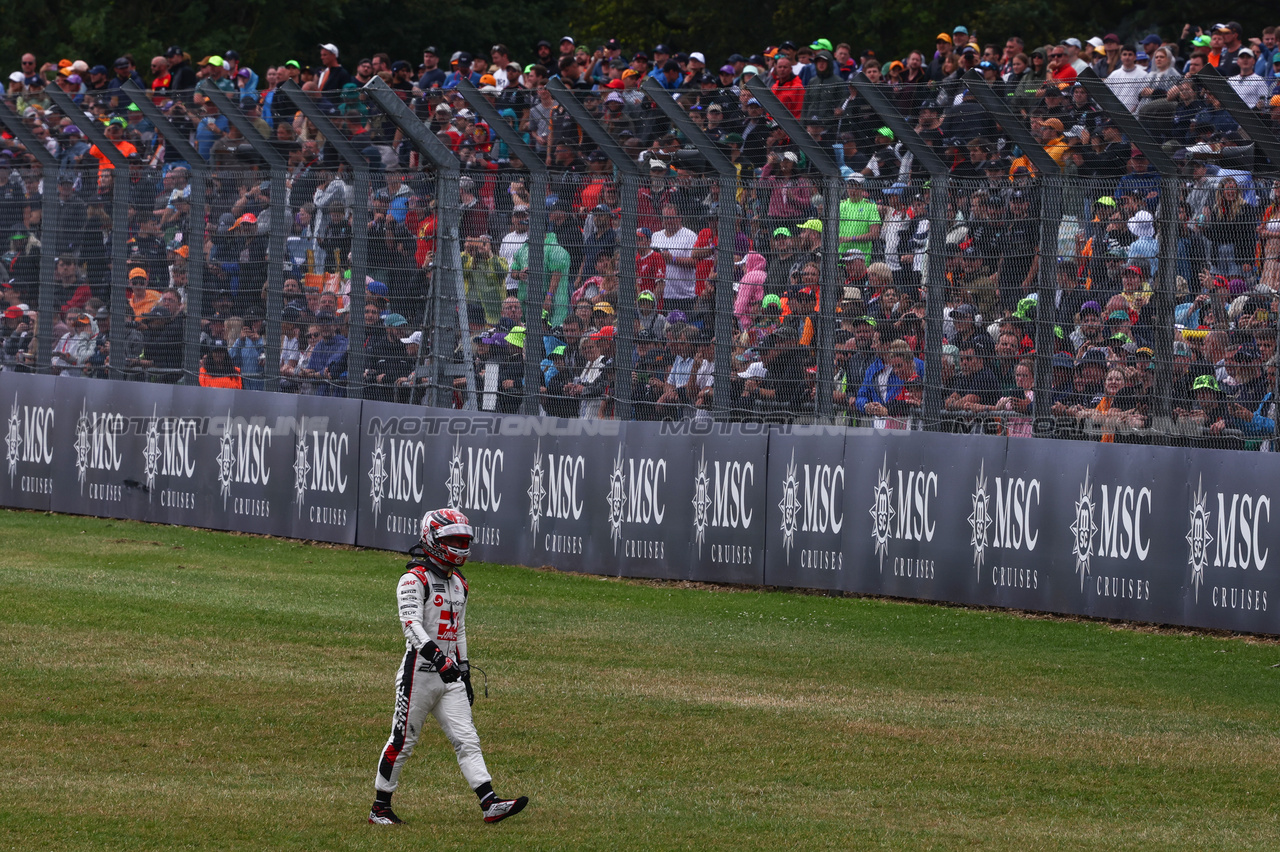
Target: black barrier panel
(809, 534)
(325, 472)
(250, 450)
(569, 480)
(1105, 534)
(394, 442)
(99, 444)
(1159, 535)
(28, 401)
(1012, 531)
(910, 500)
(472, 467)
(1222, 529)
(649, 503)
(729, 513)
(176, 478)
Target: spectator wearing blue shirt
(249, 353)
(211, 127)
(125, 73)
(329, 350)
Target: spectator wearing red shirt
(1060, 67)
(651, 267)
(787, 87)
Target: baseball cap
(394, 320)
(782, 232)
(332, 48)
(1208, 383)
(812, 225)
(415, 338)
(139, 272)
(944, 37)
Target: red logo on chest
(448, 628)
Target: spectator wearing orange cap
(141, 298)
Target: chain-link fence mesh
(336, 244)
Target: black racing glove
(447, 669)
(465, 668)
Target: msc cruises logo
(537, 492)
(790, 506)
(980, 518)
(456, 484)
(1083, 529)
(1198, 537)
(882, 512)
(617, 499)
(377, 477)
(701, 502)
(13, 440)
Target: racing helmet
(441, 524)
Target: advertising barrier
(1152, 534)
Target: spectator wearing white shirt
(1251, 88)
(675, 243)
(1129, 79)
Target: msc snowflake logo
(456, 484)
(882, 512)
(980, 518)
(377, 477)
(536, 490)
(1198, 537)
(617, 499)
(701, 502)
(226, 460)
(13, 440)
(790, 506)
(1083, 529)
(151, 453)
(83, 443)
(301, 467)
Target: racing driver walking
(434, 675)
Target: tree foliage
(271, 32)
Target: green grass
(165, 688)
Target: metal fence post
(628, 173)
(536, 288)
(119, 224)
(359, 230)
(279, 233)
(449, 272)
(1163, 293)
(49, 225)
(1258, 131)
(1050, 221)
(936, 280)
(833, 185)
(199, 170)
(726, 234)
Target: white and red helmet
(441, 524)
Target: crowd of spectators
(1106, 326)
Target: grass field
(165, 688)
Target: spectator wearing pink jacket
(750, 289)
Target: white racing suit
(432, 610)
